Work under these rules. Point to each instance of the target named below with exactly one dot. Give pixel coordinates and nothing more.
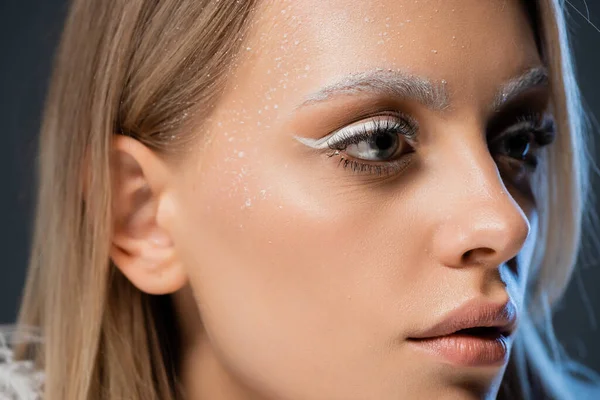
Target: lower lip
(467, 350)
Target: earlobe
(152, 270)
(140, 246)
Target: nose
(479, 222)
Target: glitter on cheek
(251, 199)
(237, 169)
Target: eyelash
(541, 129)
(395, 123)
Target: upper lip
(475, 313)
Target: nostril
(470, 256)
(467, 255)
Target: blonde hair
(137, 67)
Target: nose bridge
(481, 221)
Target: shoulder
(19, 380)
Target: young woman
(305, 199)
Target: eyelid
(366, 124)
(535, 122)
(516, 127)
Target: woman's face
(366, 173)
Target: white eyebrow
(387, 82)
(410, 87)
(532, 78)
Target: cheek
(282, 273)
(272, 241)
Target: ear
(140, 247)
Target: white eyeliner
(318, 144)
(352, 130)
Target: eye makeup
(521, 140)
(376, 145)
(382, 144)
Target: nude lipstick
(475, 334)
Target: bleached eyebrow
(384, 82)
(532, 78)
(409, 87)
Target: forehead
(296, 47)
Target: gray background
(29, 30)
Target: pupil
(518, 146)
(384, 142)
(377, 147)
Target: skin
(295, 278)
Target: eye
(518, 146)
(378, 147)
(380, 138)
(521, 141)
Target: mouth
(476, 334)
(467, 348)
(484, 332)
